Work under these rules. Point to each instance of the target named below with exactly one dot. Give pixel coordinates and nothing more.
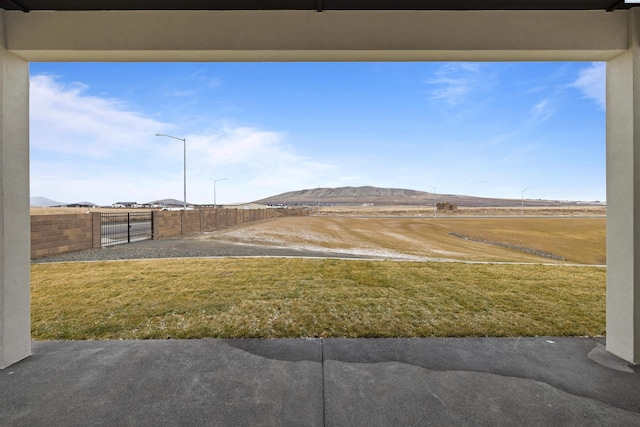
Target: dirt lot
(574, 240)
(425, 211)
(573, 235)
(461, 212)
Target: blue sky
(481, 129)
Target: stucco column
(623, 199)
(15, 326)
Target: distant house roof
(81, 205)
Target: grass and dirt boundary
(297, 297)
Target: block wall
(191, 223)
(167, 224)
(55, 234)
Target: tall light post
(523, 199)
(215, 205)
(435, 206)
(184, 140)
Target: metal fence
(120, 228)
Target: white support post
(623, 199)
(15, 327)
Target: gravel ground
(185, 248)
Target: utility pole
(435, 205)
(523, 199)
(184, 141)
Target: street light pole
(215, 205)
(184, 140)
(523, 199)
(435, 206)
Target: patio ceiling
(319, 5)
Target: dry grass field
(275, 297)
(428, 211)
(576, 240)
(61, 211)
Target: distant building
(446, 207)
(125, 205)
(245, 206)
(81, 205)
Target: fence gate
(119, 228)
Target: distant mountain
(43, 202)
(397, 196)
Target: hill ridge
(398, 196)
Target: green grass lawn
(273, 297)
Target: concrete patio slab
(162, 383)
(315, 382)
(478, 381)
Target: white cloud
(591, 82)
(255, 162)
(454, 83)
(502, 138)
(88, 148)
(542, 111)
(66, 120)
(215, 82)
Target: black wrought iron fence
(120, 228)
